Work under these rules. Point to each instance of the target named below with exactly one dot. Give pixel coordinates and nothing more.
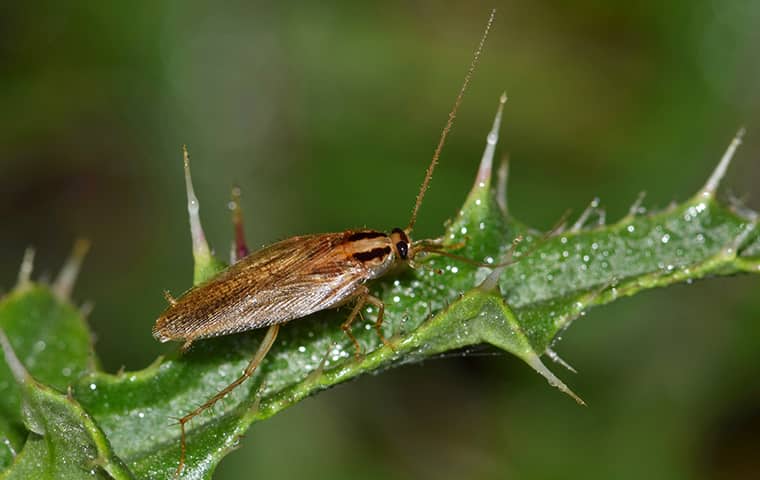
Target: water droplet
(302, 349)
(665, 238)
(93, 386)
(565, 254)
(463, 230)
(482, 226)
(630, 228)
(563, 240)
(700, 238)
(489, 259)
(586, 258)
(477, 202)
(594, 246)
(396, 299)
(454, 270)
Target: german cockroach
(296, 277)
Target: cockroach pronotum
(296, 277)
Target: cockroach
(296, 277)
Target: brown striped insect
(297, 277)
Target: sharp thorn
(539, 367)
(25, 272)
(483, 179)
(720, 171)
(634, 210)
(15, 365)
(239, 247)
(502, 175)
(592, 207)
(557, 359)
(67, 277)
(200, 246)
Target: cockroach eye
(403, 249)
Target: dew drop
(630, 228)
(665, 238)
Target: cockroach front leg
(266, 344)
(363, 297)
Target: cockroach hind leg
(346, 325)
(186, 346)
(535, 362)
(261, 352)
(371, 299)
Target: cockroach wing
(284, 281)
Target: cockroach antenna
(449, 123)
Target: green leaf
(49, 336)
(64, 442)
(444, 305)
(52, 340)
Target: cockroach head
(401, 242)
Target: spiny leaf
(446, 304)
(64, 443)
(51, 340)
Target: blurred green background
(326, 115)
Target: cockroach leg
(346, 325)
(266, 344)
(169, 298)
(379, 322)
